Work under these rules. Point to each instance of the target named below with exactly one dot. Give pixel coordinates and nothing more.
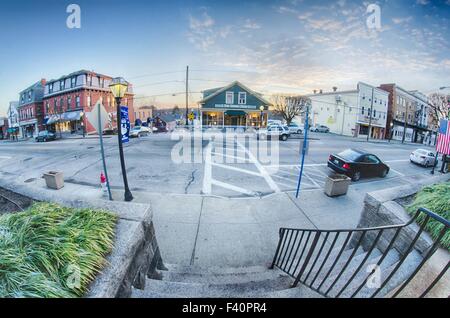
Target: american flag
(443, 142)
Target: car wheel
(356, 176)
(299, 131)
(284, 137)
(384, 173)
(427, 164)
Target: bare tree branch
(289, 106)
(439, 107)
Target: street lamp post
(82, 124)
(118, 88)
(261, 108)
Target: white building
(350, 112)
(13, 117)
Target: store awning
(68, 116)
(235, 113)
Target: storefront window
(212, 118)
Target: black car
(45, 135)
(358, 163)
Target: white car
(139, 131)
(423, 157)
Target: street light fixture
(82, 124)
(261, 108)
(118, 88)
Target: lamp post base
(128, 196)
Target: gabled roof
(223, 89)
(38, 84)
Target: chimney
(315, 91)
(321, 92)
(334, 88)
(43, 81)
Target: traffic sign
(191, 116)
(93, 116)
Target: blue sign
(125, 124)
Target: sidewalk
(213, 231)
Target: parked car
(271, 122)
(139, 131)
(294, 128)
(109, 131)
(358, 163)
(45, 135)
(320, 128)
(423, 157)
(279, 131)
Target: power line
(158, 83)
(155, 74)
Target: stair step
(391, 258)
(158, 288)
(300, 291)
(329, 263)
(407, 268)
(220, 278)
(213, 270)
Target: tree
(289, 106)
(439, 107)
(176, 110)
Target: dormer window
(229, 98)
(29, 95)
(242, 100)
(62, 85)
(50, 88)
(73, 81)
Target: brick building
(30, 109)
(407, 114)
(67, 100)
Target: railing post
(281, 234)
(308, 257)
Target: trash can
(54, 179)
(337, 185)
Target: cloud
(423, 2)
(249, 24)
(402, 20)
(203, 31)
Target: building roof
(80, 72)
(35, 85)
(217, 91)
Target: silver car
(423, 157)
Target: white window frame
(227, 96)
(240, 102)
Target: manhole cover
(30, 180)
(90, 147)
(27, 159)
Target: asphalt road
(230, 169)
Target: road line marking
(311, 179)
(232, 187)
(207, 178)
(400, 160)
(261, 169)
(401, 174)
(290, 180)
(233, 157)
(236, 169)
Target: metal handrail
(295, 265)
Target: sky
(278, 46)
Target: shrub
(47, 249)
(435, 198)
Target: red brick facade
(83, 99)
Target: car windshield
(422, 152)
(42, 133)
(137, 128)
(349, 154)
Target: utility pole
(370, 115)
(187, 91)
(404, 125)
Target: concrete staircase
(222, 282)
(260, 282)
